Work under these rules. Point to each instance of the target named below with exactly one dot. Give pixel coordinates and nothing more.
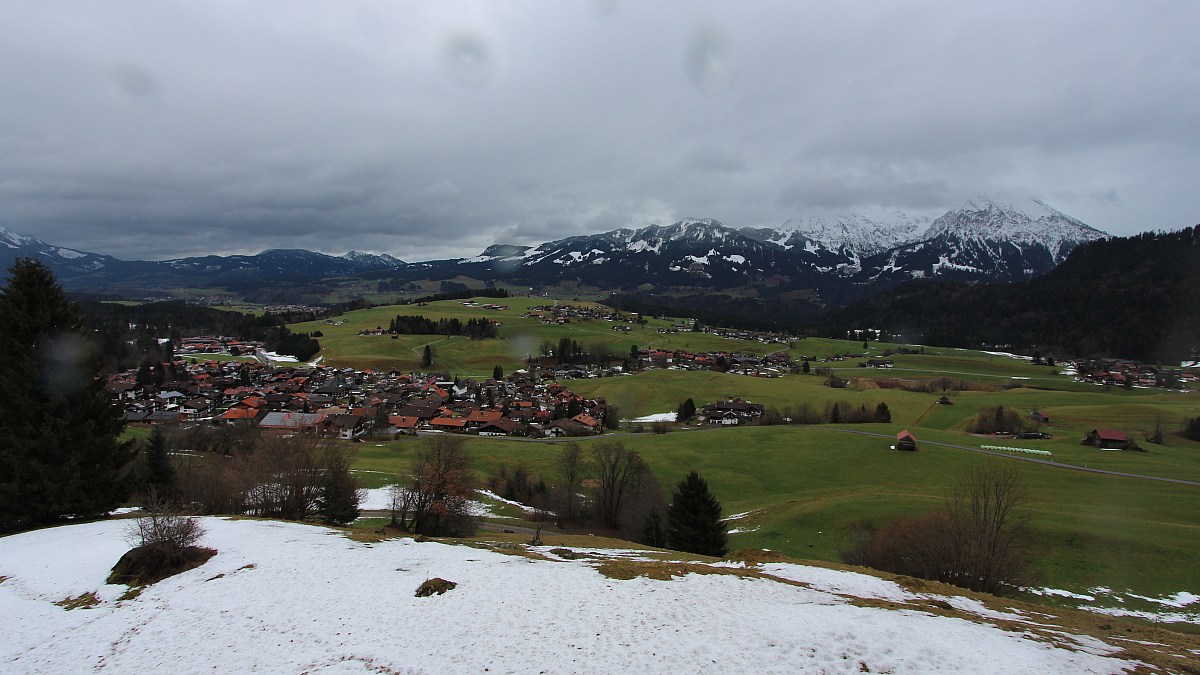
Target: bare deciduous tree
(615, 470)
(570, 474)
(974, 540)
(437, 499)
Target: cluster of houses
(198, 346)
(737, 363)
(764, 337)
(1127, 373)
(563, 314)
(348, 404)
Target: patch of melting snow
(240, 610)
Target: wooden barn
(1107, 439)
(906, 441)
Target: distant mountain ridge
(830, 261)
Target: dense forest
(1128, 297)
(128, 335)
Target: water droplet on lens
(467, 61)
(708, 63)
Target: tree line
(475, 329)
(609, 489)
(128, 335)
(1129, 297)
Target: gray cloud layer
(159, 129)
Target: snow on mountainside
(373, 260)
(61, 260)
(985, 240)
(290, 597)
(852, 234)
(1025, 222)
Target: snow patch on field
(288, 597)
(656, 417)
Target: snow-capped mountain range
(982, 241)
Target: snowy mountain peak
(373, 259)
(12, 239)
(1021, 222)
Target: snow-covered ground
(380, 499)
(287, 597)
(656, 417)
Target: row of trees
(610, 489)
(416, 324)
(293, 478)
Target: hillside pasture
(518, 337)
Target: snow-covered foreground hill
(285, 597)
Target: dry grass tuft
(83, 601)
(757, 556)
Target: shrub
(164, 544)
(975, 540)
(996, 419)
(1192, 429)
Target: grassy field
(341, 345)
(809, 488)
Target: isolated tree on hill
(694, 519)
(427, 357)
(685, 411)
(805, 367)
(498, 372)
(59, 453)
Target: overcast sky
(156, 129)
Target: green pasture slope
(341, 345)
(809, 490)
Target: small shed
(1039, 416)
(906, 441)
(945, 400)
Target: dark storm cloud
(159, 129)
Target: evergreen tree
(59, 453)
(694, 519)
(160, 475)
(882, 413)
(805, 367)
(498, 372)
(685, 411)
(427, 357)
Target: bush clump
(997, 419)
(164, 544)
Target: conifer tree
(59, 448)
(694, 519)
(160, 475)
